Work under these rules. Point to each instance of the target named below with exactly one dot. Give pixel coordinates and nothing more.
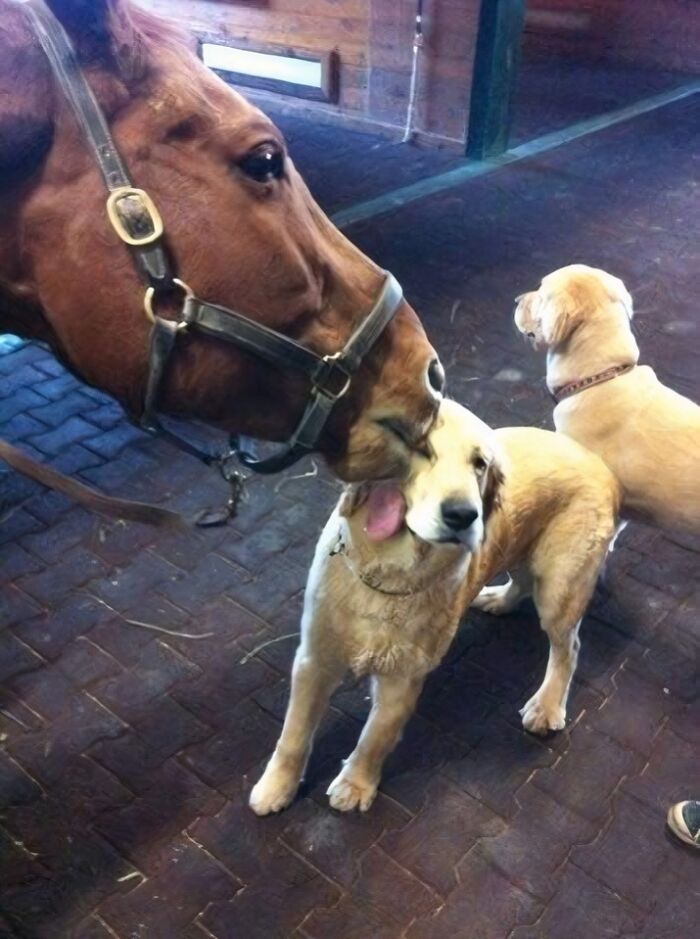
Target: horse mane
(138, 37)
(160, 35)
(159, 31)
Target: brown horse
(241, 226)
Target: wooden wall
(659, 34)
(373, 39)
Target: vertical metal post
(495, 76)
(417, 46)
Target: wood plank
(373, 39)
(287, 26)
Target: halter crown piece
(136, 220)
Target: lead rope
(417, 46)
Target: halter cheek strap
(136, 220)
(132, 213)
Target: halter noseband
(137, 222)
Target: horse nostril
(458, 515)
(436, 376)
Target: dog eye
(480, 465)
(264, 163)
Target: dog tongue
(385, 511)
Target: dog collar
(573, 387)
(368, 578)
(374, 583)
(381, 582)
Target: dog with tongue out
(399, 562)
(386, 509)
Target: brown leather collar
(573, 387)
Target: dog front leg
(393, 701)
(313, 682)
(546, 709)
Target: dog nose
(457, 514)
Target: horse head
(240, 225)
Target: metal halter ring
(151, 293)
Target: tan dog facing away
(648, 434)
(397, 565)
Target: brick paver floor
(126, 754)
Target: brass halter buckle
(134, 216)
(150, 296)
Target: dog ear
(626, 301)
(618, 293)
(354, 496)
(557, 316)
(491, 493)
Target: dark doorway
(544, 65)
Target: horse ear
(76, 12)
(103, 31)
(26, 124)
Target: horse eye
(436, 376)
(264, 163)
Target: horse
(240, 228)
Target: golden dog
(397, 565)
(648, 434)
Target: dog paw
(346, 794)
(494, 600)
(273, 792)
(541, 718)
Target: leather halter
(138, 224)
(574, 387)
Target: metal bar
(495, 77)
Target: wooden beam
(495, 76)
